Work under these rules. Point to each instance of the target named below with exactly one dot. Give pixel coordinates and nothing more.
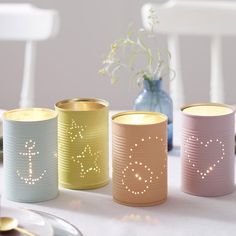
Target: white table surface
(95, 213)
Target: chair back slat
(24, 22)
(200, 18)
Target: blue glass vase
(153, 98)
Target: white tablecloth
(95, 213)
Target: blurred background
(67, 65)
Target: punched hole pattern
(140, 171)
(214, 141)
(76, 133)
(30, 153)
(87, 154)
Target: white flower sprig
(124, 54)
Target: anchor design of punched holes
(76, 131)
(30, 153)
(210, 168)
(133, 168)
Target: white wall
(67, 66)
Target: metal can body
(30, 155)
(139, 155)
(83, 143)
(207, 153)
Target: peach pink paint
(139, 142)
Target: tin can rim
(102, 102)
(54, 114)
(139, 112)
(207, 104)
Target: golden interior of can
(139, 118)
(29, 114)
(207, 109)
(81, 104)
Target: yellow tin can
(83, 143)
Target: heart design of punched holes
(205, 145)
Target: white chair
(212, 18)
(24, 22)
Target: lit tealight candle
(139, 118)
(29, 114)
(207, 110)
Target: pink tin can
(207, 149)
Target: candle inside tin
(30, 152)
(29, 114)
(139, 119)
(83, 143)
(139, 153)
(207, 110)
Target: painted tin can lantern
(83, 143)
(30, 154)
(139, 150)
(207, 149)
